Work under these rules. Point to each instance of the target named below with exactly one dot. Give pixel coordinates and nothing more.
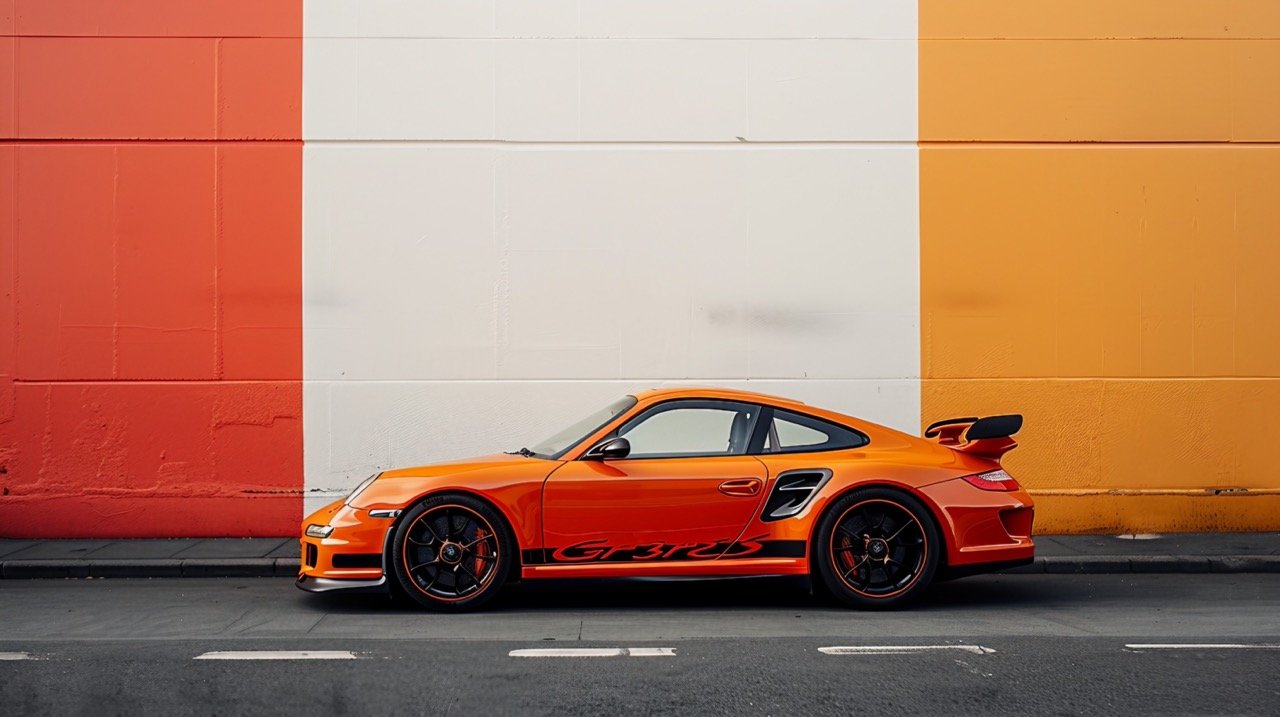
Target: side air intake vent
(792, 491)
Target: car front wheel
(452, 553)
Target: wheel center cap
(878, 548)
(450, 553)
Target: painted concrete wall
(251, 252)
(596, 198)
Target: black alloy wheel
(452, 552)
(877, 547)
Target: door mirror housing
(610, 449)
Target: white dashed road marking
(901, 649)
(595, 652)
(5, 656)
(651, 651)
(1202, 646)
(278, 655)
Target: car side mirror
(609, 450)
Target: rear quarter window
(791, 432)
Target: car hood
(463, 465)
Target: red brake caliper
(481, 547)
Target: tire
(452, 553)
(877, 548)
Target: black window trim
(756, 446)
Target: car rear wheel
(877, 548)
(452, 553)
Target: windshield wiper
(522, 452)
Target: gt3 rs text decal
(599, 550)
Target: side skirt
(682, 568)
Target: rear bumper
(952, 572)
(990, 530)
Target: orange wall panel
(1098, 90)
(1100, 261)
(1119, 454)
(1106, 19)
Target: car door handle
(741, 487)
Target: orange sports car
(688, 482)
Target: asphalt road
(1017, 644)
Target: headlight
(360, 488)
(319, 531)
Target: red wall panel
(65, 263)
(129, 459)
(260, 260)
(157, 88)
(150, 240)
(159, 18)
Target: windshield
(561, 442)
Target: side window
(691, 428)
(796, 433)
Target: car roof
(729, 394)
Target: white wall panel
(749, 18)
(358, 428)
(835, 89)
(399, 18)
(541, 263)
(536, 89)
(611, 18)
(609, 90)
(399, 89)
(399, 262)
(663, 90)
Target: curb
(288, 567)
(166, 568)
(1105, 564)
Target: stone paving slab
(221, 548)
(145, 549)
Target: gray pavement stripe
(277, 655)
(11, 656)
(900, 649)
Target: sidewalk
(278, 557)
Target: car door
(685, 492)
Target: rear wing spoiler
(989, 437)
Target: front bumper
(351, 557)
(325, 585)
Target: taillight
(993, 480)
